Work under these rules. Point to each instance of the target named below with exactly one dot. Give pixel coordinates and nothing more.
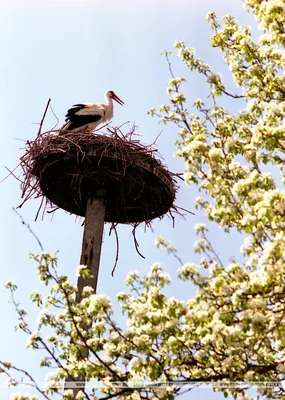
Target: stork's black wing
(80, 120)
(73, 110)
(75, 120)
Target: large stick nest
(64, 170)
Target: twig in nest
(52, 211)
(184, 209)
(136, 242)
(57, 120)
(113, 228)
(125, 123)
(29, 195)
(30, 229)
(43, 118)
(103, 126)
(11, 173)
(172, 217)
(152, 144)
(39, 208)
(179, 176)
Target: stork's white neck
(109, 108)
(108, 99)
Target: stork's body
(86, 117)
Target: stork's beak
(118, 100)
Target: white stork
(86, 117)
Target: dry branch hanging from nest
(67, 169)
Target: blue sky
(72, 52)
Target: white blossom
(42, 315)
(79, 269)
(33, 338)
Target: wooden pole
(92, 240)
(90, 256)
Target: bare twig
(177, 91)
(177, 257)
(212, 249)
(30, 229)
(33, 382)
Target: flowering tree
(234, 329)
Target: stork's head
(113, 96)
